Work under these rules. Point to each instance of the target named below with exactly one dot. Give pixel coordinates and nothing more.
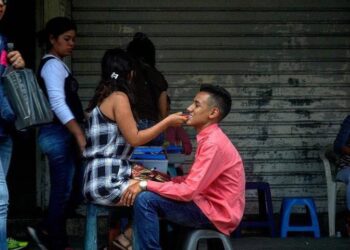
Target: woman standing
(150, 85)
(7, 118)
(60, 139)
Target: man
(212, 195)
(342, 147)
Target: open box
(150, 157)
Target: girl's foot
(123, 242)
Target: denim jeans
(145, 124)
(148, 207)
(344, 176)
(58, 144)
(5, 157)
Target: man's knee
(142, 199)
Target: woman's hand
(78, 134)
(15, 59)
(129, 195)
(81, 140)
(176, 119)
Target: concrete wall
(286, 64)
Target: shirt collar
(206, 131)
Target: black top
(150, 83)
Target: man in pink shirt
(212, 195)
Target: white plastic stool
(194, 236)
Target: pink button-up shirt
(216, 181)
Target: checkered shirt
(107, 155)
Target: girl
(60, 139)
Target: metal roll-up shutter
(286, 64)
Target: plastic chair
(286, 210)
(329, 158)
(265, 209)
(194, 236)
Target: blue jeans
(344, 176)
(148, 207)
(58, 144)
(5, 157)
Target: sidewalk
(266, 243)
(17, 229)
(251, 243)
(299, 243)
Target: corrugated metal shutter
(286, 64)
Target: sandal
(122, 242)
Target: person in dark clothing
(7, 119)
(150, 85)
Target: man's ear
(215, 113)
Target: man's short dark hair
(221, 97)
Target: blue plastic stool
(194, 236)
(92, 210)
(286, 210)
(265, 209)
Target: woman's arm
(78, 133)
(345, 150)
(54, 75)
(123, 116)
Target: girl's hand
(129, 195)
(177, 119)
(16, 59)
(81, 140)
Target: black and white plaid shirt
(107, 155)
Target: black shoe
(39, 237)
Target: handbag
(139, 172)
(26, 98)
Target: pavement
(251, 243)
(267, 243)
(299, 243)
(248, 243)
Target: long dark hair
(116, 69)
(54, 27)
(142, 48)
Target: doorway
(19, 27)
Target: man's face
(2, 9)
(200, 111)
